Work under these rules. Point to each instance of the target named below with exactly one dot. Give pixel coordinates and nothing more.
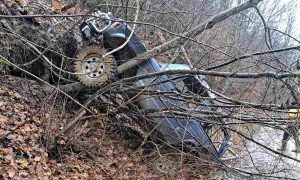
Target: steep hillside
(29, 150)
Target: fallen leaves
(20, 152)
(56, 5)
(17, 95)
(99, 154)
(22, 162)
(3, 120)
(11, 172)
(37, 158)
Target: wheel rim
(93, 67)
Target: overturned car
(195, 128)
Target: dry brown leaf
(12, 162)
(23, 174)
(3, 120)
(10, 171)
(26, 148)
(109, 152)
(48, 173)
(17, 95)
(5, 151)
(18, 138)
(22, 162)
(56, 6)
(74, 10)
(130, 164)
(62, 142)
(85, 175)
(3, 133)
(37, 158)
(125, 176)
(26, 128)
(77, 10)
(38, 168)
(8, 157)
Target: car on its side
(176, 129)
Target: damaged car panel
(179, 129)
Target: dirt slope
(29, 121)
(24, 110)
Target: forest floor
(29, 120)
(102, 153)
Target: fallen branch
(213, 73)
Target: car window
(190, 84)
